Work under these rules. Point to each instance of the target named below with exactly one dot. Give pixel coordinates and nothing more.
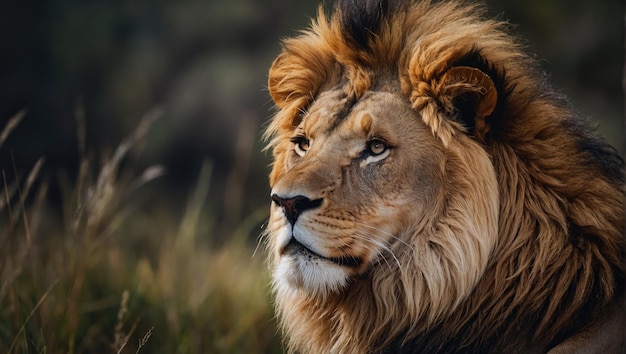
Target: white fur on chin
(315, 276)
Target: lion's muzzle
(292, 208)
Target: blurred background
(205, 63)
(86, 74)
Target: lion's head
(430, 192)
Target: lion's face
(352, 181)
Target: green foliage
(75, 282)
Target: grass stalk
(32, 312)
(11, 125)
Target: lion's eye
(375, 150)
(301, 145)
(376, 147)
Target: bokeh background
(183, 247)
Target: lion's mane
(559, 259)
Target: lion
(431, 193)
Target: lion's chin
(306, 271)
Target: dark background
(205, 63)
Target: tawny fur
(558, 261)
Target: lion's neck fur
(561, 252)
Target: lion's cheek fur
(449, 255)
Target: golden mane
(559, 260)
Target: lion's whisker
(389, 234)
(381, 246)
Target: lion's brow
(349, 102)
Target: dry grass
(75, 282)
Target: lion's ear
(276, 81)
(474, 97)
(297, 74)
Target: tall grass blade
(144, 340)
(32, 312)
(189, 223)
(11, 125)
(9, 191)
(23, 194)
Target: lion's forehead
(333, 113)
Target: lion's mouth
(296, 248)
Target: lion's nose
(294, 206)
